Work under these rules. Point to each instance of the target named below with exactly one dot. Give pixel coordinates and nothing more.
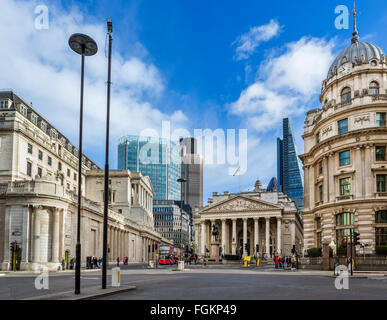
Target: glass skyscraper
(157, 158)
(288, 167)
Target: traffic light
(257, 248)
(156, 245)
(356, 238)
(246, 246)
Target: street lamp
(106, 200)
(85, 46)
(181, 181)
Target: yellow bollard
(245, 264)
(258, 262)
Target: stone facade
(38, 197)
(344, 151)
(269, 221)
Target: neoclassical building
(38, 197)
(345, 160)
(267, 221)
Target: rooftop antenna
(239, 177)
(355, 34)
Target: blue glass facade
(288, 167)
(157, 158)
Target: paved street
(204, 283)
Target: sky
(204, 64)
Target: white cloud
(286, 84)
(40, 67)
(248, 42)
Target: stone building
(264, 220)
(38, 197)
(345, 161)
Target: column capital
(279, 218)
(267, 218)
(245, 219)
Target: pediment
(240, 203)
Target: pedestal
(214, 254)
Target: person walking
(63, 263)
(118, 261)
(276, 262)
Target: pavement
(200, 282)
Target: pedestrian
(280, 262)
(335, 273)
(71, 264)
(118, 261)
(276, 262)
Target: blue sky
(198, 64)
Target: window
(381, 216)
(320, 167)
(60, 166)
(381, 236)
(346, 94)
(23, 110)
(29, 169)
(68, 172)
(345, 158)
(49, 160)
(374, 88)
(342, 236)
(345, 219)
(345, 187)
(53, 134)
(40, 155)
(34, 118)
(380, 119)
(343, 126)
(43, 126)
(39, 172)
(4, 104)
(380, 153)
(380, 183)
(321, 193)
(374, 63)
(29, 148)
(75, 177)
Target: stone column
(203, 237)
(279, 238)
(256, 235)
(36, 235)
(26, 234)
(224, 236)
(331, 178)
(312, 172)
(234, 237)
(292, 233)
(6, 235)
(368, 180)
(244, 236)
(55, 236)
(358, 183)
(267, 236)
(306, 188)
(326, 180)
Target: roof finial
(355, 35)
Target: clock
(343, 69)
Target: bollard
(258, 262)
(116, 277)
(245, 264)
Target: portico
(247, 226)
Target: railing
(347, 197)
(380, 194)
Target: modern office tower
(172, 224)
(192, 171)
(157, 158)
(272, 186)
(288, 168)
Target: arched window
(374, 63)
(374, 88)
(346, 94)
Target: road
(207, 283)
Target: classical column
(267, 236)
(26, 234)
(306, 188)
(36, 234)
(312, 171)
(256, 235)
(368, 180)
(326, 180)
(234, 239)
(224, 236)
(331, 177)
(55, 236)
(292, 233)
(358, 183)
(244, 236)
(7, 234)
(279, 243)
(203, 237)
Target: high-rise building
(157, 158)
(288, 168)
(192, 172)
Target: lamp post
(181, 181)
(106, 199)
(85, 46)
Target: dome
(355, 53)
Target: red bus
(167, 254)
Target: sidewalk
(86, 294)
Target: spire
(355, 35)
